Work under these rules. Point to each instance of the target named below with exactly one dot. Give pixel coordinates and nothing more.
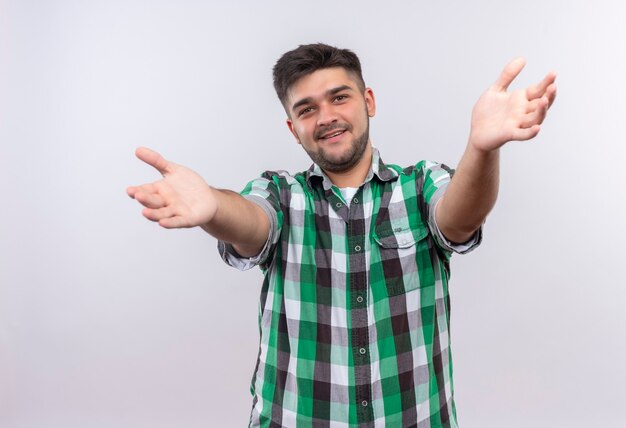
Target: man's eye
(305, 111)
(340, 97)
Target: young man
(354, 306)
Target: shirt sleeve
(262, 191)
(436, 179)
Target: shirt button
(357, 248)
(359, 299)
(338, 204)
(362, 351)
(364, 403)
(355, 201)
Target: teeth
(335, 134)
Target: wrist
(213, 198)
(480, 149)
(485, 144)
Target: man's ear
(370, 102)
(292, 130)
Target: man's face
(329, 116)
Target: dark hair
(306, 59)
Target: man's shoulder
(284, 179)
(416, 169)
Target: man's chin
(340, 156)
(336, 163)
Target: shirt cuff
(444, 242)
(232, 258)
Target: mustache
(322, 130)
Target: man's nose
(326, 115)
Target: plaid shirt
(354, 312)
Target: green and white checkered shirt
(354, 311)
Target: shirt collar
(378, 168)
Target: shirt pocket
(399, 247)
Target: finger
(172, 222)
(144, 188)
(537, 116)
(153, 159)
(523, 134)
(510, 72)
(131, 190)
(538, 90)
(150, 200)
(158, 214)
(537, 107)
(534, 118)
(533, 105)
(551, 94)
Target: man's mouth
(332, 134)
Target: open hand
(180, 199)
(500, 116)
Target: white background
(107, 320)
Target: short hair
(306, 59)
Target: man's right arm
(240, 222)
(182, 199)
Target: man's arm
(183, 199)
(498, 117)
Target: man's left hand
(500, 116)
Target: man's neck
(354, 176)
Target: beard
(346, 160)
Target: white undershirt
(348, 193)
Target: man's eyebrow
(328, 93)
(341, 88)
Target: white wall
(106, 320)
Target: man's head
(306, 59)
(327, 104)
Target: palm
(181, 199)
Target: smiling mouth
(332, 134)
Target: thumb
(510, 72)
(154, 159)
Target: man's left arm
(497, 118)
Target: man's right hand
(183, 199)
(180, 199)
